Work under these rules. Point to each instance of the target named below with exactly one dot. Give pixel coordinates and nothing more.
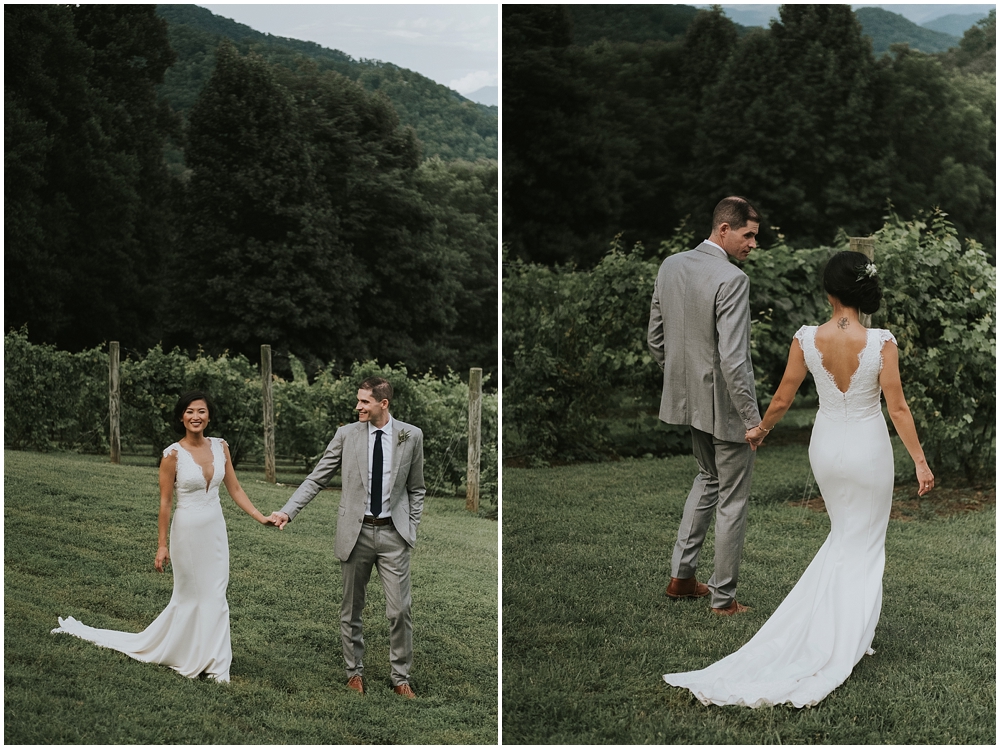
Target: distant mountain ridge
(886, 28)
(955, 24)
(487, 95)
(447, 124)
(643, 23)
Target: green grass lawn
(588, 631)
(79, 540)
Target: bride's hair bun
(853, 279)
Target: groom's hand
(278, 519)
(755, 437)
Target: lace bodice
(862, 399)
(193, 489)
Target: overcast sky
(918, 13)
(455, 45)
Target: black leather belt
(377, 521)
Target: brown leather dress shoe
(356, 683)
(404, 690)
(733, 608)
(687, 587)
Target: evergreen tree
(790, 124)
(262, 259)
(942, 126)
(85, 205)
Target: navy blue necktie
(377, 475)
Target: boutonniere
(403, 436)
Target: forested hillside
(636, 137)
(307, 216)
(447, 124)
(887, 28)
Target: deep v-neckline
(211, 449)
(861, 354)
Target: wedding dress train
(825, 625)
(191, 635)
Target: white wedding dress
(191, 635)
(825, 625)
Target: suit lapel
(361, 452)
(397, 455)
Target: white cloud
(473, 81)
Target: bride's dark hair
(183, 402)
(852, 278)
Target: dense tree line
(306, 216)
(637, 137)
(446, 124)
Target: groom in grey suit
(699, 333)
(381, 461)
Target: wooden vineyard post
(866, 246)
(267, 396)
(475, 437)
(114, 403)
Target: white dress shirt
(387, 446)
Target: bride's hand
(162, 558)
(755, 437)
(925, 479)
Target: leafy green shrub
(151, 385)
(575, 359)
(54, 398)
(940, 302)
(308, 415)
(572, 354)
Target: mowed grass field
(80, 539)
(588, 631)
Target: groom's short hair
(735, 211)
(381, 388)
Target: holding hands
(756, 435)
(277, 519)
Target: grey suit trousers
(381, 547)
(722, 488)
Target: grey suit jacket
(699, 334)
(348, 452)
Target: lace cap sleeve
(885, 335)
(225, 444)
(800, 335)
(170, 450)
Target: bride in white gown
(191, 635)
(825, 625)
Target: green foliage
(447, 124)
(785, 294)
(571, 353)
(53, 399)
(940, 302)
(314, 226)
(977, 52)
(579, 383)
(307, 415)
(302, 214)
(886, 28)
(623, 128)
(633, 23)
(57, 400)
(87, 220)
(942, 125)
(152, 384)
